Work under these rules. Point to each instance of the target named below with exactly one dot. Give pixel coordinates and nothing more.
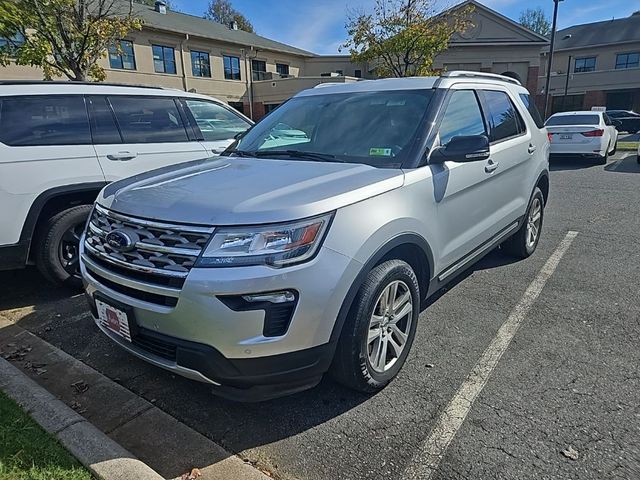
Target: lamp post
(549, 63)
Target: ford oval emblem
(121, 240)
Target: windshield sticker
(379, 152)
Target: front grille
(162, 254)
(155, 345)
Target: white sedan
(589, 134)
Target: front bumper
(227, 348)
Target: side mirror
(469, 148)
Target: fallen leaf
(80, 386)
(192, 475)
(570, 453)
(429, 365)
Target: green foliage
(29, 453)
(402, 37)
(222, 11)
(63, 37)
(535, 19)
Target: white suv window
(462, 117)
(505, 120)
(215, 121)
(148, 119)
(44, 120)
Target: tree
(222, 11)
(402, 37)
(63, 37)
(535, 19)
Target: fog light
(271, 297)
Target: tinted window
(215, 121)
(121, 55)
(148, 119)
(573, 120)
(462, 117)
(504, 119)
(231, 68)
(200, 66)
(533, 110)
(587, 64)
(628, 60)
(259, 69)
(44, 120)
(375, 128)
(164, 60)
(103, 124)
(282, 68)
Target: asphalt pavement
(561, 402)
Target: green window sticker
(379, 152)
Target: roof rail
(488, 76)
(68, 82)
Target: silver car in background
(312, 243)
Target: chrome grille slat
(164, 252)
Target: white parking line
(425, 462)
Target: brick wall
(532, 80)
(594, 98)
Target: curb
(102, 456)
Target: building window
(357, 74)
(270, 107)
(231, 67)
(282, 69)
(239, 106)
(121, 56)
(10, 44)
(569, 103)
(259, 69)
(628, 60)
(200, 66)
(164, 59)
(587, 64)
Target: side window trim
(193, 132)
(485, 109)
(89, 102)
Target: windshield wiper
(321, 157)
(238, 153)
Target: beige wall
(316, 66)
(272, 92)
(605, 76)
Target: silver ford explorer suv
(311, 244)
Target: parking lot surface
(561, 402)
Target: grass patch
(628, 146)
(27, 452)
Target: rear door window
(504, 119)
(215, 121)
(148, 119)
(44, 120)
(103, 122)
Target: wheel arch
(410, 247)
(543, 184)
(53, 201)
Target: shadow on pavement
(61, 318)
(577, 163)
(627, 165)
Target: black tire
(615, 149)
(351, 364)
(518, 245)
(56, 257)
(605, 157)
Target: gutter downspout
(248, 82)
(185, 85)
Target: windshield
(574, 120)
(375, 128)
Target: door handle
(491, 166)
(122, 156)
(532, 148)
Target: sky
(318, 25)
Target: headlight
(276, 245)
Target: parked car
(61, 142)
(587, 134)
(626, 120)
(262, 270)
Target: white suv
(62, 142)
(311, 244)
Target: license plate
(566, 137)
(114, 319)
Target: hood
(242, 191)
